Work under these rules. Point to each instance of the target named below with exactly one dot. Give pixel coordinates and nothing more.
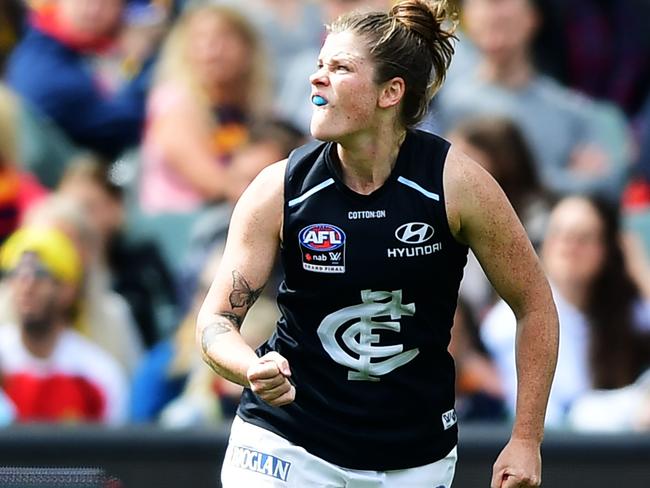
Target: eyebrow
(347, 55)
(341, 57)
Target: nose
(319, 77)
(220, 43)
(25, 282)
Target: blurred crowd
(129, 128)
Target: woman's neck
(226, 95)
(41, 344)
(367, 160)
(514, 71)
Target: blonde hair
(8, 129)
(175, 66)
(61, 211)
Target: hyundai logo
(414, 233)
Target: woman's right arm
(251, 247)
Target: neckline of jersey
(334, 169)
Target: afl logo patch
(323, 248)
(414, 233)
(322, 237)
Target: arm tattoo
(224, 323)
(233, 318)
(243, 295)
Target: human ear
(391, 93)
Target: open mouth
(318, 101)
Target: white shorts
(258, 458)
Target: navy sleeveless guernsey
(367, 301)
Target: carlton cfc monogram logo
(360, 336)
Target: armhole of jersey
(294, 158)
(285, 206)
(439, 166)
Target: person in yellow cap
(52, 373)
(54, 249)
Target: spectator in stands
(479, 392)
(209, 87)
(135, 270)
(7, 409)
(42, 149)
(18, 188)
(637, 194)
(604, 314)
(144, 23)
(498, 145)
(288, 27)
(99, 313)
(11, 19)
(49, 68)
(269, 140)
(599, 47)
(51, 373)
(172, 367)
(578, 144)
(644, 156)
(174, 386)
(613, 410)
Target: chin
(322, 137)
(321, 133)
(327, 131)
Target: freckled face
(345, 80)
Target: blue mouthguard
(318, 100)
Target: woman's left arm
(480, 216)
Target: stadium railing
(147, 456)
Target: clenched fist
(518, 466)
(269, 379)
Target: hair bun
(413, 41)
(432, 20)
